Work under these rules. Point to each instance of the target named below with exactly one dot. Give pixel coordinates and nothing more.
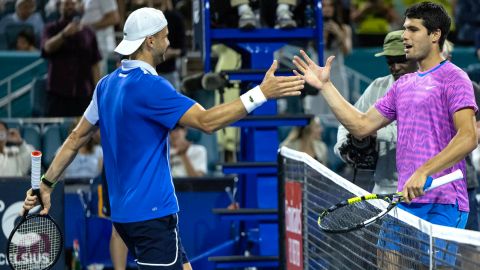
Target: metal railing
(357, 82)
(13, 95)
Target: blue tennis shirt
(135, 109)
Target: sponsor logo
(30, 258)
(12, 216)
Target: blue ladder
(259, 132)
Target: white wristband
(253, 98)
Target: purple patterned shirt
(423, 105)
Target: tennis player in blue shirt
(135, 109)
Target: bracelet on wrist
(48, 183)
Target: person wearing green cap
(349, 149)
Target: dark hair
(28, 35)
(434, 17)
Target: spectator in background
(73, 62)
(14, 152)
(51, 11)
(24, 14)
(385, 175)
(88, 162)
(308, 139)
(467, 18)
(4, 5)
(176, 36)
(337, 37)
(102, 16)
(186, 159)
(373, 20)
(26, 41)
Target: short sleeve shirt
(423, 105)
(135, 109)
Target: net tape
(399, 241)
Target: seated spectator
(89, 161)
(26, 41)
(186, 159)
(24, 13)
(308, 139)
(14, 153)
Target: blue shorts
(396, 236)
(154, 243)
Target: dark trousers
(60, 106)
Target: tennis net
(399, 241)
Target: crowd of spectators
(77, 37)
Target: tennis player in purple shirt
(435, 113)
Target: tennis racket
(36, 242)
(358, 212)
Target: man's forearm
(67, 152)
(64, 157)
(54, 43)
(222, 115)
(110, 19)
(349, 116)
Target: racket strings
(35, 245)
(349, 216)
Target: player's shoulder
(452, 72)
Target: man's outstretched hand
(280, 86)
(312, 73)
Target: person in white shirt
(102, 16)
(15, 158)
(186, 159)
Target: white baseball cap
(140, 24)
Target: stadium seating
(31, 134)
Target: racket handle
(36, 192)
(442, 180)
(36, 169)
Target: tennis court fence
(307, 187)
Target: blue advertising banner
(12, 195)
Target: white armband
(253, 98)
